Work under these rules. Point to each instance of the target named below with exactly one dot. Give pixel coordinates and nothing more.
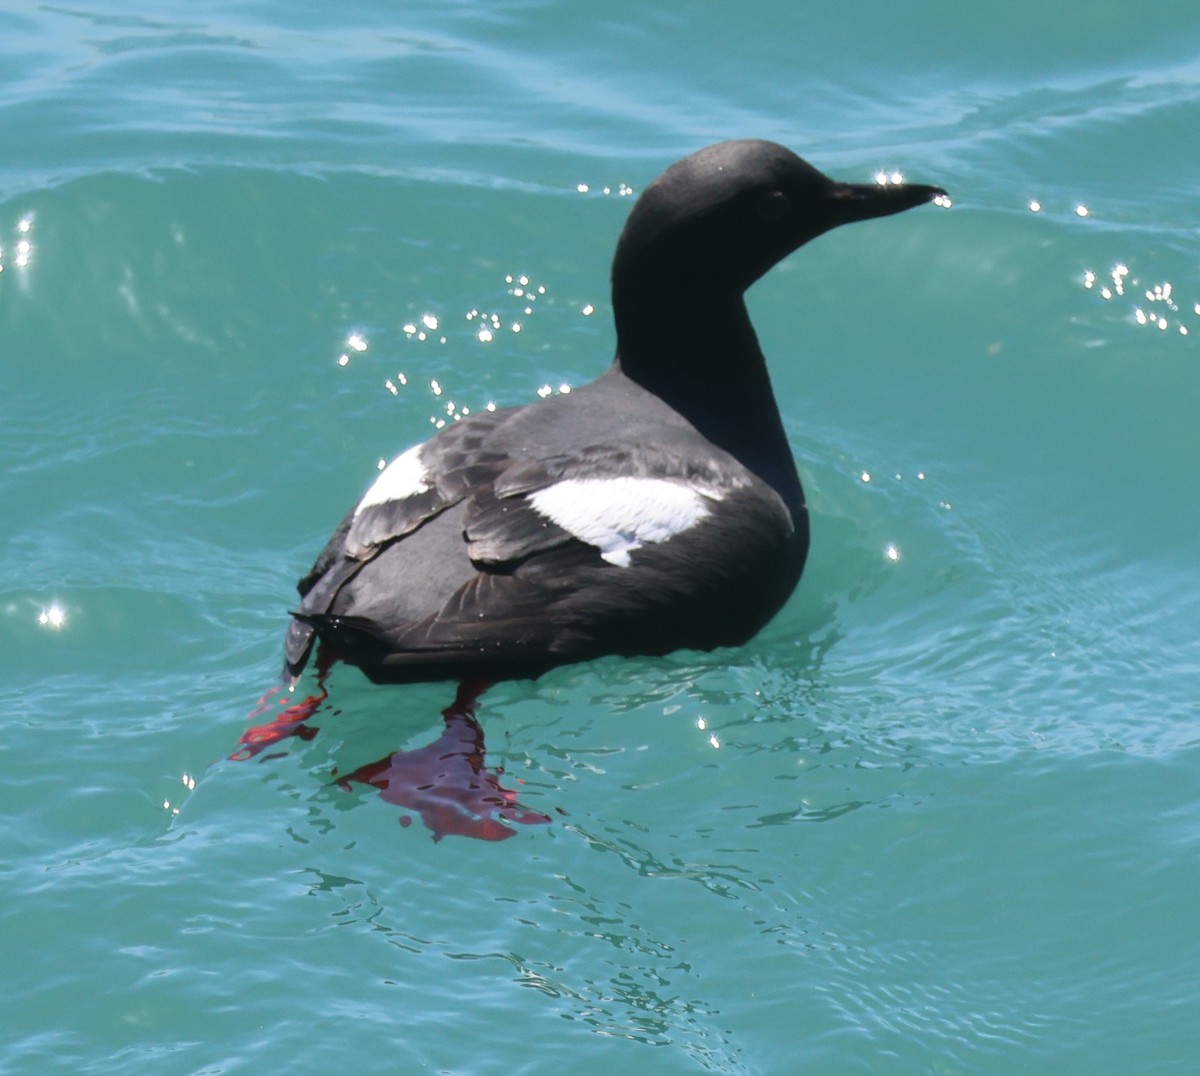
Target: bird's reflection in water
(446, 783)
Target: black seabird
(653, 509)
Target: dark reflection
(446, 783)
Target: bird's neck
(702, 357)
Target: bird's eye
(774, 206)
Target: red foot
(289, 722)
(446, 782)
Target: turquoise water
(941, 816)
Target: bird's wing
(531, 531)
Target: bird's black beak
(849, 202)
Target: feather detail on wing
(460, 551)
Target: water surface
(941, 816)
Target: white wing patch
(403, 477)
(619, 515)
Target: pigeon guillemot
(654, 509)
